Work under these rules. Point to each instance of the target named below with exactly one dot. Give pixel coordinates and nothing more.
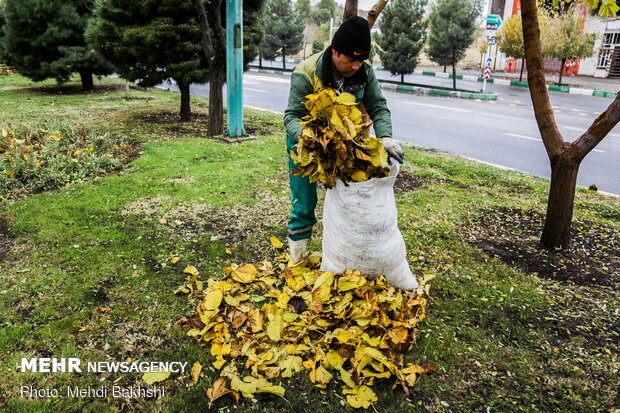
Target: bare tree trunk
(564, 169)
(217, 77)
(565, 157)
(214, 47)
(283, 58)
(260, 59)
(350, 9)
(561, 72)
(86, 76)
(453, 69)
(522, 67)
(217, 67)
(186, 112)
(402, 78)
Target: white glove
(393, 149)
(297, 249)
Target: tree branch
(207, 44)
(350, 9)
(551, 136)
(600, 128)
(374, 13)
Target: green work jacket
(314, 74)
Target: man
(341, 66)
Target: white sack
(360, 231)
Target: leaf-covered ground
(87, 270)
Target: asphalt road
(503, 132)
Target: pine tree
(403, 31)
(452, 26)
(284, 30)
(150, 42)
(317, 46)
(45, 39)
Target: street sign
(487, 73)
(489, 62)
(491, 40)
(493, 22)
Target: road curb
(416, 90)
(514, 83)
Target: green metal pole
(234, 67)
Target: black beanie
(353, 38)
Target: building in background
(604, 63)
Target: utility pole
(234, 67)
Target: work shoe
(297, 249)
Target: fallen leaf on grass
(277, 244)
(154, 377)
(361, 396)
(196, 369)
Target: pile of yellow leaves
(335, 142)
(279, 323)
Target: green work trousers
(303, 201)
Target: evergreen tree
(329, 5)
(150, 42)
(45, 39)
(303, 7)
(317, 46)
(403, 31)
(452, 29)
(284, 30)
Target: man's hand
(393, 149)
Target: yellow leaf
(250, 385)
(410, 371)
(344, 336)
(277, 244)
(290, 365)
(275, 327)
(5, 132)
(218, 363)
(351, 281)
(359, 176)
(55, 136)
(320, 376)
(335, 359)
(174, 260)
(326, 278)
(296, 282)
(190, 269)
(228, 251)
(398, 335)
(220, 349)
(361, 396)
(218, 389)
(346, 99)
(289, 317)
(245, 274)
(151, 377)
(255, 317)
(196, 369)
(212, 300)
(231, 301)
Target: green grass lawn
(88, 272)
